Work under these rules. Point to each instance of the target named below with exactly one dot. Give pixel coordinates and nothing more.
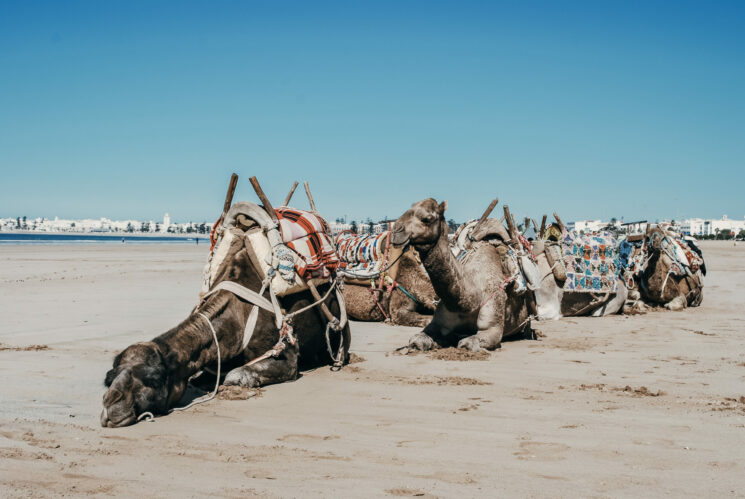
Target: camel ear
(443, 206)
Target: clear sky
(593, 109)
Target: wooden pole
(230, 193)
(558, 220)
(289, 194)
(543, 227)
(264, 200)
(510, 222)
(486, 214)
(310, 197)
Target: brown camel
(152, 376)
(368, 303)
(668, 279)
(475, 310)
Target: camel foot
(677, 303)
(470, 343)
(242, 376)
(422, 342)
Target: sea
(88, 238)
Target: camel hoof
(471, 343)
(677, 303)
(242, 377)
(421, 342)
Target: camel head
(421, 226)
(137, 383)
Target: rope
(209, 397)
(338, 358)
(406, 292)
(290, 317)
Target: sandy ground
(616, 407)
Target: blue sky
(592, 109)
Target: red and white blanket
(307, 235)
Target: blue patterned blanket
(591, 262)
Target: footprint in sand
(541, 451)
(304, 437)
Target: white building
(166, 223)
(701, 227)
(587, 225)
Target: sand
(648, 405)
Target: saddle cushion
(590, 261)
(306, 234)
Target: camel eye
(428, 219)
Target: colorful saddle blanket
(361, 254)
(591, 262)
(305, 233)
(683, 253)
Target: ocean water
(56, 238)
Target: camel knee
(243, 376)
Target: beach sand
(639, 406)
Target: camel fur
(475, 310)
(408, 271)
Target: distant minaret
(166, 223)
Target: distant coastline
(34, 237)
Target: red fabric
(307, 235)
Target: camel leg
(403, 312)
(429, 339)
(266, 372)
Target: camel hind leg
(266, 372)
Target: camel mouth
(127, 420)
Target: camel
(476, 311)
(674, 271)
(152, 376)
(402, 294)
(552, 300)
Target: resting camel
(367, 303)
(552, 301)
(475, 310)
(666, 282)
(152, 376)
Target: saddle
(518, 265)
(292, 252)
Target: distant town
(722, 228)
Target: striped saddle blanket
(361, 254)
(591, 262)
(306, 234)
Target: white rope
(209, 397)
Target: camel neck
(191, 346)
(447, 276)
